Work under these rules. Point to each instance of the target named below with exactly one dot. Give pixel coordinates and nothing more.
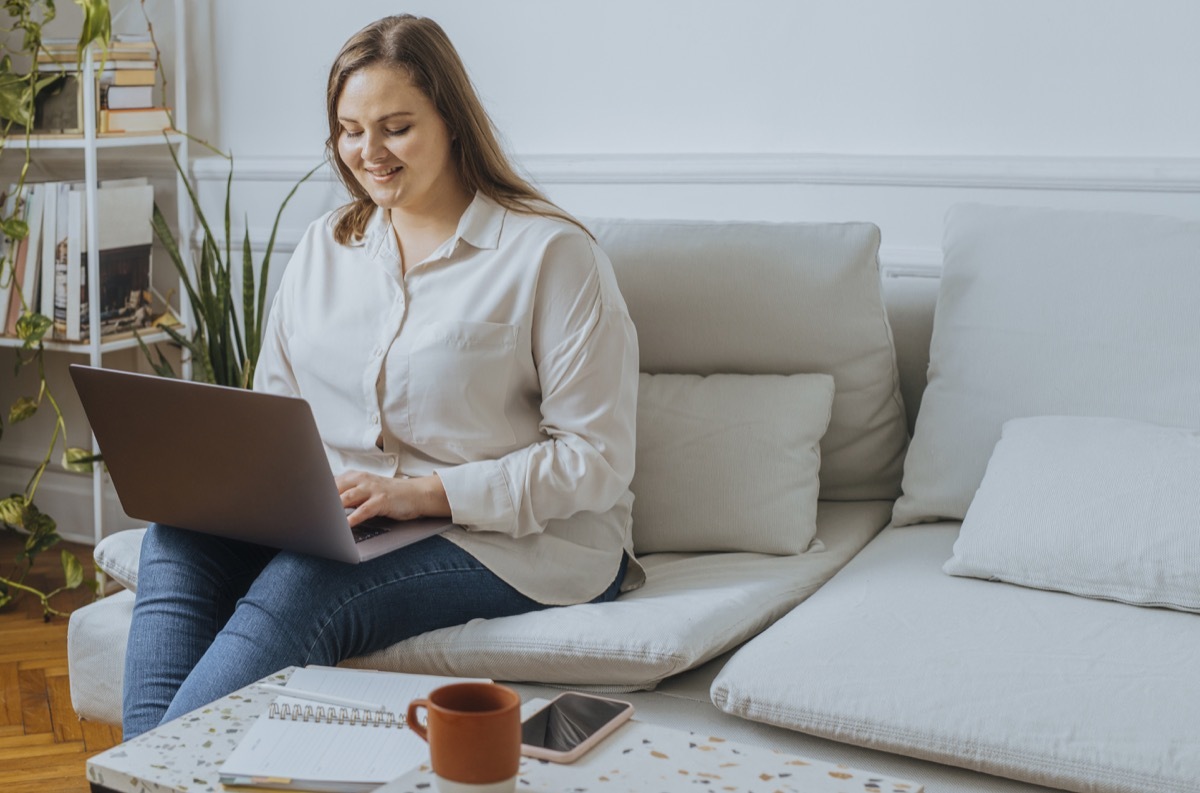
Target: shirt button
(391, 459)
(378, 351)
(374, 418)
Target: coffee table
(646, 758)
(185, 756)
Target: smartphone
(571, 724)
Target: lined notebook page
(322, 754)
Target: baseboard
(67, 498)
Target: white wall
(1023, 77)
(829, 110)
(812, 110)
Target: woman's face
(393, 140)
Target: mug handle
(411, 718)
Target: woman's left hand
(371, 495)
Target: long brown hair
(421, 48)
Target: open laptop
(231, 462)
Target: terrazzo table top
(644, 758)
(185, 756)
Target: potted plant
(225, 341)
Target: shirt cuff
(479, 496)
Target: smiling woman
(400, 151)
(466, 354)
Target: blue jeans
(213, 615)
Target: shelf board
(103, 141)
(122, 341)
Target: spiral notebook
(299, 744)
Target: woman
(466, 353)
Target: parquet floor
(43, 745)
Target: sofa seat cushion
(693, 607)
(96, 638)
(117, 556)
(1043, 687)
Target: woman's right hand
(371, 495)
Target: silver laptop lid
(220, 460)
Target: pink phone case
(599, 735)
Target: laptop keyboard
(365, 531)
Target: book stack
(49, 267)
(126, 80)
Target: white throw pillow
(728, 462)
(1105, 508)
(1050, 312)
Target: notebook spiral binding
(335, 715)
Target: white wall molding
(906, 195)
(1139, 174)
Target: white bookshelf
(91, 144)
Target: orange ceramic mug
(474, 736)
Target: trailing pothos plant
(20, 84)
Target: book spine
(33, 270)
(61, 254)
(10, 253)
(50, 226)
(76, 282)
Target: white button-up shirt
(505, 362)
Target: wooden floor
(43, 745)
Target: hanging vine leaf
(14, 228)
(32, 328)
(22, 409)
(16, 103)
(97, 24)
(12, 511)
(78, 460)
(42, 530)
(72, 570)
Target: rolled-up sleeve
(585, 350)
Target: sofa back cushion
(773, 298)
(1051, 312)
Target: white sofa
(958, 683)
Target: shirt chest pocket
(459, 374)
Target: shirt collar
(479, 226)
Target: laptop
(231, 462)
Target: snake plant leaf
(162, 367)
(22, 409)
(248, 306)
